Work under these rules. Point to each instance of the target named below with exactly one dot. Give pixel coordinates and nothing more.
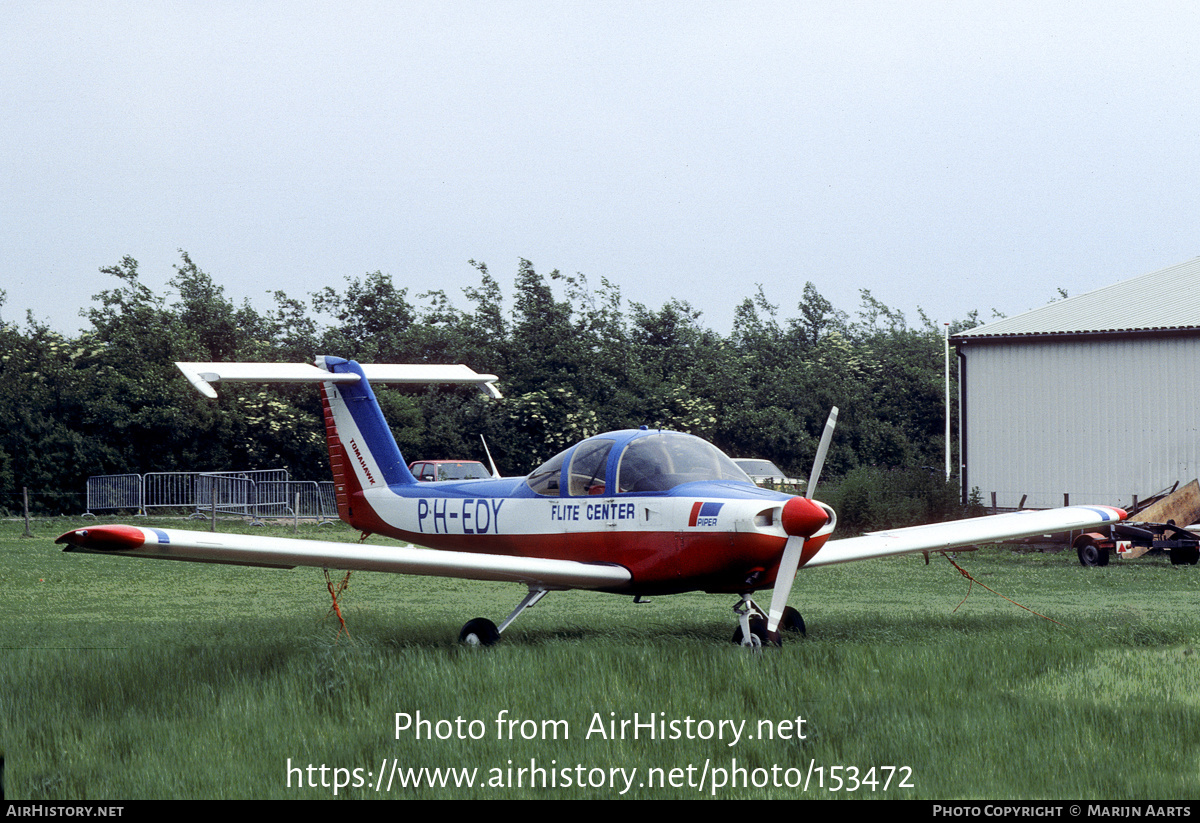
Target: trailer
(1151, 528)
(1130, 540)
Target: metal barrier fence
(328, 492)
(169, 490)
(114, 491)
(300, 498)
(249, 494)
(257, 493)
(224, 494)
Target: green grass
(126, 679)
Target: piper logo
(704, 514)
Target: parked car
(429, 470)
(766, 473)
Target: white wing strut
(941, 536)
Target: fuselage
(671, 508)
(722, 535)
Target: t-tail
(362, 451)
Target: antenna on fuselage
(491, 462)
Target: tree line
(574, 359)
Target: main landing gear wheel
(479, 632)
(483, 632)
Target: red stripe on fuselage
(661, 562)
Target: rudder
(362, 451)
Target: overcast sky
(952, 156)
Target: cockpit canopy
(632, 461)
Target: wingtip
(103, 538)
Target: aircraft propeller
(801, 520)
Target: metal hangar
(1093, 399)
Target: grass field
(126, 679)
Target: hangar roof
(1165, 300)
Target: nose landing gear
(752, 624)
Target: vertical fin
(362, 451)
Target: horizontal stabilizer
(959, 533)
(283, 552)
(203, 375)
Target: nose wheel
(752, 625)
(755, 634)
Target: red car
(429, 470)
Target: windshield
(664, 460)
(544, 479)
(649, 462)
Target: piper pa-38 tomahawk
(635, 512)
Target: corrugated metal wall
(1102, 419)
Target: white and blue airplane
(636, 512)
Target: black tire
(792, 622)
(758, 628)
(479, 632)
(1092, 555)
(1185, 556)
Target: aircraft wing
(286, 553)
(957, 533)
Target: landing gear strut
(483, 632)
(752, 624)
